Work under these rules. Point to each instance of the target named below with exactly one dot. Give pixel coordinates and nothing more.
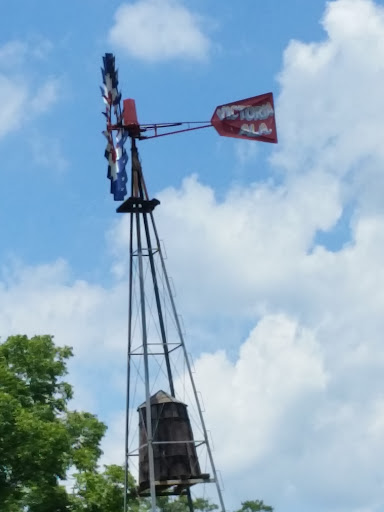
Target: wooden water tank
(175, 458)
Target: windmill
(166, 440)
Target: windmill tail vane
(251, 118)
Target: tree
(39, 438)
(104, 492)
(180, 504)
(254, 506)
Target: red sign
(252, 118)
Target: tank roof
(161, 397)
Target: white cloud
(253, 243)
(47, 300)
(15, 105)
(330, 108)
(279, 366)
(46, 150)
(157, 30)
(22, 100)
(11, 53)
(45, 96)
(14, 52)
(245, 152)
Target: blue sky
(275, 251)
(70, 58)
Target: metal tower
(167, 448)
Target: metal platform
(163, 487)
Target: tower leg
(146, 368)
(189, 499)
(128, 388)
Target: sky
(275, 251)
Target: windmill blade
(251, 118)
(115, 152)
(118, 183)
(121, 162)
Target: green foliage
(39, 438)
(254, 506)
(204, 505)
(104, 492)
(180, 504)
(96, 492)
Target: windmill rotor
(115, 151)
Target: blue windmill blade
(124, 159)
(121, 159)
(112, 171)
(115, 79)
(110, 68)
(116, 97)
(109, 63)
(118, 182)
(108, 152)
(121, 138)
(103, 75)
(115, 152)
(112, 75)
(120, 187)
(117, 173)
(108, 136)
(108, 82)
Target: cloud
(24, 100)
(46, 150)
(159, 30)
(12, 52)
(46, 299)
(13, 109)
(45, 96)
(278, 368)
(245, 152)
(255, 240)
(328, 118)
